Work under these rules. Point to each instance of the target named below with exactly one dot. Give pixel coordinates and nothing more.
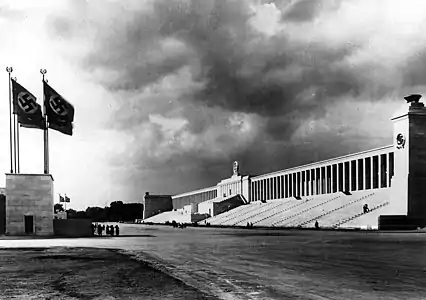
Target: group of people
(249, 225)
(110, 229)
(178, 225)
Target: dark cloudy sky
(169, 93)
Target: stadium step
(282, 211)
(268, 209)
(360, 214)
(303, 211)
(335, 209)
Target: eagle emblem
(400, 141)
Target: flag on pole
(26, 108)
(61, 199)
(67, 199)
(60, 113)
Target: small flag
(60, 113)
(61, 199)
(67, 199)
(26, 107)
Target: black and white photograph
(213, 149)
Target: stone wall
(155, 204)
(29, 195)
(73, 227)
(2, 214)
(228, 204)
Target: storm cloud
(273, 84)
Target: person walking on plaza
(99, 230)
(107, 231)
(117, 230)
(111, 230)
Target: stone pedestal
(409, 182)
(29, 204)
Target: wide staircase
(230, 214)
(359, 219)
(299, 211)
(169, 216)
(336, 210)
(340, 209)
(264, 209)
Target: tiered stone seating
(266, 209)
(291, 205)
(219, 219)
(337, 209)
(331, 210)
(301, 210)
(286, 205)
(246, 215)
(169, 216)
(353, 208)
(235, 213)
(363, 220)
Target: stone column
(314, 182)
(308, 182)
(325, 179)
(274, 188)
(356, 175)
(339, 177)
(371, 173)
(365, 173)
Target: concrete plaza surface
(271, 264)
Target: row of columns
(180, 202)
(358, 174)
(229, 189)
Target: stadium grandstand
(381, 188)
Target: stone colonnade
(362, 171)
(198, 196)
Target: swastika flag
(67, 199)
(60, 113)
(26, 107)
(61, 199)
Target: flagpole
(14, 142)
(18, 158)
(17, 148)
(46, 133)
(10, 70)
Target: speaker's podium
(29, 204)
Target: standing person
(316, 224)
(99, 230)
(111, 230)
(108, 230)
(117, 230)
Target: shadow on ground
(85, 273)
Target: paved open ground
(262, 264)
(85, 273)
